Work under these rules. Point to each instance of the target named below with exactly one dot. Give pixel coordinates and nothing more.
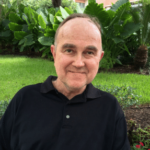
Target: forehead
(79, 29)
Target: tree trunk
(56, 3)
(141, 56)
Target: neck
(69, 93)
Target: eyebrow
(90, 47)
(93, 48)
(67, 45)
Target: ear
(102, 54)
(53, 51)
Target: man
(66, 112)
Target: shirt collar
(90, 92)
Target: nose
(78, 62)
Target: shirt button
(67, 116)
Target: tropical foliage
(34, 29)
(142, 14)
(117, 25)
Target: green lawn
(17, 72)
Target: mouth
(77, 72)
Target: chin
(77, 86)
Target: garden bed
(141, 115)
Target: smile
(77, 72)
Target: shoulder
(94, 92)
(29, 89)
(27, 93)
(110, 103)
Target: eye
(68, 50)
(90, 53)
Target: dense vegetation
(28, 27)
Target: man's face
(77, 53)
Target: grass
(141, 83)
(17, 72)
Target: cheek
(93, 68)
(94, 65)
(61, 63)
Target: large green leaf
(44, 17)
(97, 10)
(13, 17)
(59, 18)
(21, 8)
(41, 22)
(55, 26)
(122, 10)
(119, 14)
(26, 41)
(145, 21)
(56, 21)
(117, 28)
(49, 32)
(110, 13)
(5, 33)
(21, 41)
(135, 14)
(22, 48)
(29, 40)
(5, 23)
(64, 12)
(19, 35)
(51, 17)
(27, 13)
(46, 11)
(69, 11)
(31, 26)
(24, 16)
(115, 6)
(15, 27)
(46, 41)
(130, 28)
(117, 40)
(147, 40)
(31, 14)
(51, 10)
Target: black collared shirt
(41, 118)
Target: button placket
(66, 117)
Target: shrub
(125, 94)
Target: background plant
(34, 28)
(142, 14)
(117, 25)
(34, 4)
(125, 94)
(6, 36)
(139, 138)
(132, 44)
